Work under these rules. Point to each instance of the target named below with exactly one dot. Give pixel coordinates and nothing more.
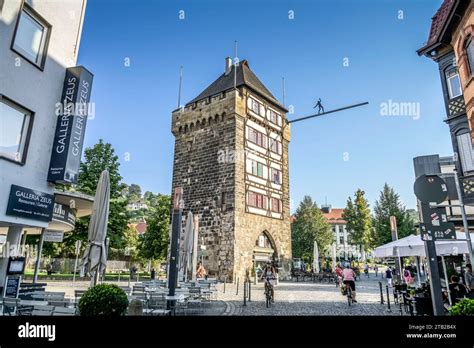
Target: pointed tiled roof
(245, 77)
(438, 23)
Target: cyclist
(348, 275)
(269, 275)
(338, 274)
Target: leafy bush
(103, 299)
(463, 307)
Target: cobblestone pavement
(308, 298)
(291, 298)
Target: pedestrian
(469, 278)
(49, 269)
(407, 276)
(457, 290)
(376, 270)
(152, 274)
(133, 272)
(389, 276)
(366, 269)
(201, 271)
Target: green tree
(96, 159)
(131, 239)
(310, 225)
(153, 244)
(388, 205)
(359, 221)
(134, 193)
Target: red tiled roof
(335, 216)
(139, 227)
(438, 21)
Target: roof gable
(244, 77)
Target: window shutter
(466, 152)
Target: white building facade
(39, 40)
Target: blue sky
(134, 103)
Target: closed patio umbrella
(186, 256)
(94, 259)
(315, 257)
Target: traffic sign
(434, 216)
(430, 189)
(445, 231)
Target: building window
(341, 239)
(466, 153)
(31, 36)
(275, 117)
(276, 205)
(276, 176)
(257, 168)
(255, 106)
(15, 129)
(257, 200)
(454, 84)
(258, 138)
(275, 146)
(470, 55)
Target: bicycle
(349, 294)
(268, 293)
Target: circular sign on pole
(430, 189)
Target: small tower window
(470, 54)
(454, 84)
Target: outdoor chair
(42, 310)
(125, 288)
(63, 311)
(59, 303)
(77, 295)
(10, 306)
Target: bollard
(245, 293)
(250, 291)
(381, 293)
(388, 300)
(225, 280)
(237, 292)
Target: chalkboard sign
(12, 286)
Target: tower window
(257, 137)
(275, 146)
(257, 168)
(470, 55)
(276, 205)
(454, 83)
(276, 176)
(275, 117)
(257, 200)
(255, 106)
(466, 153)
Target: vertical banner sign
(71, 125)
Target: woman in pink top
(349, 279)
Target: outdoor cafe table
(32, 303)
(177, 298)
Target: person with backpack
(389, 276)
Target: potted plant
(462, 308)
(103, 299)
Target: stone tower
(231, 159)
